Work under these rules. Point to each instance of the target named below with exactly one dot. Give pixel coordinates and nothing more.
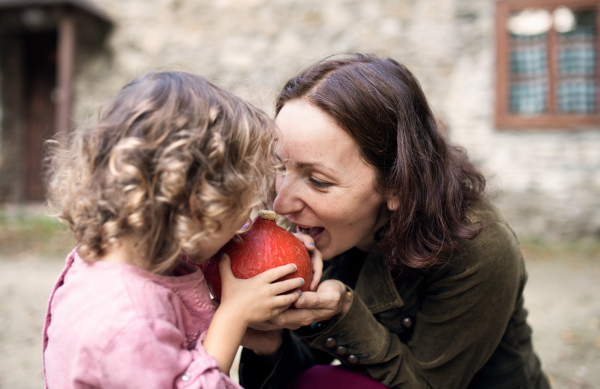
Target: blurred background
(515, 82)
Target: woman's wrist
(345, 305)
(263, 343)
(271, 349)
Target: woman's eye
(281, 168)
(319, 183)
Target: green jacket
(461, 325)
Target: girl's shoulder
(91, 292)
(100, 312)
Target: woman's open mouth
(314, 232)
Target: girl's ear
(393, 203)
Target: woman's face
(325, 189)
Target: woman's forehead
(310, 136)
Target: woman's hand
(330, 301)
(315, 256)
(258, 298)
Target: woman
(424, 277)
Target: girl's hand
(243, 302)
(330, 301)
(258, 298)
(315, 256)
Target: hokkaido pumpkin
(263, 247)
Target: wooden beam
(64, 73)
(522, 4)
(549, 122)
(502, 63)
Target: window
(547, 66)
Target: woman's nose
(288, 199)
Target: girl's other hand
(258, 298)
(315, 256)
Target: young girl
(164, 179)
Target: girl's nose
(288, 199)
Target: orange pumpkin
(263, 247)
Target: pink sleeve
(149, 354)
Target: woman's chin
(326, 249)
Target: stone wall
(547, 182)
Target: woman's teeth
(312, 231)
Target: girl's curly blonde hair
(170, 156)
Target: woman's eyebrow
(301, 165)
(308, 164)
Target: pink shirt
(113, 325)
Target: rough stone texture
(548, 182)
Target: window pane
(529, 61)
(577, 96)
(577, 80)
(528, 97)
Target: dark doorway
(38, 47)
(39, 60)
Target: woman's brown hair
(382, 107)
(170, 157)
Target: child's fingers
(278, 272)
(225, 267)
(308, 241)
(317, 267)
(315, 256)
(284, 286)
(285, 300)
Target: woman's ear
(393, 203)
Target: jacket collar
(376, 287)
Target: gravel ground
(563, 297)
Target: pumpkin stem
(267, 215)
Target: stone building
(544, 173)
